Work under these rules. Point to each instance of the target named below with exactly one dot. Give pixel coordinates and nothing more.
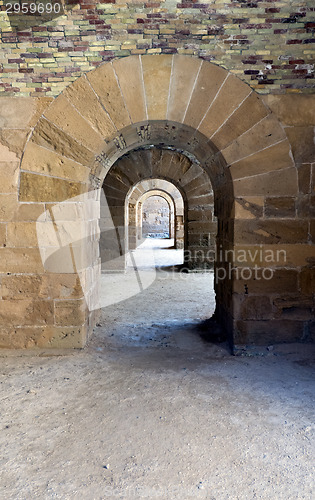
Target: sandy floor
(149, 410)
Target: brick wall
(268, 44)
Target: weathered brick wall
(269, 44)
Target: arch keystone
(184, 73)
(129, 75)
(156, 77)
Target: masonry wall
(268, 44)
(156, 217)
(36, 308)
(30, 307)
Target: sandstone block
(252, 307)
(21, 286)
(22, 234)
(229, 97)
(14, 139)
(199, 182)
(129, 75)
(305, 206)
(249, 207)
(208, 83)
(298, 254)
(156, 78)
(271, 184)
(28, 337)
(282, 281)
(200, 215)
(21, 112)
(275, 157)
(6, 155)
(70, 312)
(260, 136)
(9, 172)
(307, 281)
(251, 111)
(191, 172)
(44, 161)
(282, 206)
(268, 332)
(20, 260)
(81, 95)
(26, 312)
(49, 136)
(3, 235)
(65, 116)
(40, 188)
(304, 176)
(28, 212)
(19, 337)
(105, 84)
(263, 231)
(293, 110)
(65, 337)
(203, 226)
(184, 72)
(302, 143)
(8, 206)
(294, 307)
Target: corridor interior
(155, 302)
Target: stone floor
(150, 410)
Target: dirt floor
(150, 410)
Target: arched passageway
(138, 196)
(134, 204)
(219, 124)
(156, 217)
(179, 176)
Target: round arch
(167, 167)
(172, 195)
(144, 209)
(194, 107)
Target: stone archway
(188, 177)
(208, 114)
(157, 216)
(137, 196)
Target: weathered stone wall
(156, 217)
(268, 44)
(258, 152)
(37, 308)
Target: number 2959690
(33, 8)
